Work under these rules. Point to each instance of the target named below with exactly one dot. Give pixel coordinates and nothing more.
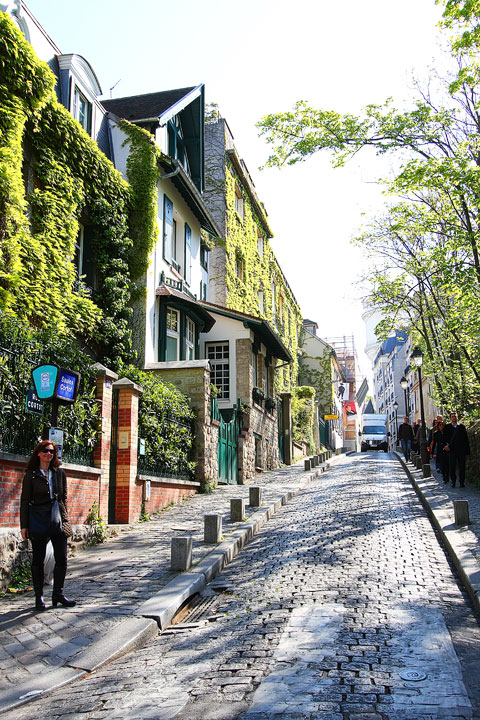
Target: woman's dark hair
(34, 461)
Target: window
(259, 242)
(261, 305)
(188, 254)
(176, 144)
(274, 303)
(190, 339)
(266, 378)
(238, 201)
(84, 256)
(173, 334)
(82, 110)
(204, 255)
(280, 307)
(175, 253)
(254, 362)
(168, 229)
(218, 356)
(239, 267)
(203, 290)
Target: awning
(177, 299)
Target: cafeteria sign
(55, 384)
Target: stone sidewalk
(461, 543)
(110, 582)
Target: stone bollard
(308, 464)
(427, 470)
(315, 460)
(212, 528)
(462, 515)
(181, 553)
(418, 462)
(255, 496)
(325, 457)
(237, 509)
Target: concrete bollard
(315, 460)
(418, 462)
(461, 512)
(427, 470)
(237, 509)
(325, 457)
(212, 528)
(255, 496)
(181, 553)
(308, 464)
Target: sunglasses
(48, 451)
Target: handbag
(45, 520)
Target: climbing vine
(53, 177)
(251, 272)
(303, 414)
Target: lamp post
(404, 386)
(395, 407)
(417, 359)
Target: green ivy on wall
(66, 178)
(260, 270)
(303, 415)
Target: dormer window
(82, 110)
(176, 144)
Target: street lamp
(395, 407)
(417, 359)
(404, 386)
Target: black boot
(57, 595)
(37, 577)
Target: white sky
(257, 57)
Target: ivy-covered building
(320, 368)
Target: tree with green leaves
(425, 273)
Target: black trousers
(39, 547)
(455, 459)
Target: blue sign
(56, 384)
(67, 385)
(45, 380)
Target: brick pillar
(287, 428)
(127, 449)
(101, 453)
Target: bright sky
(257, 57)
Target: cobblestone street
(344, 607)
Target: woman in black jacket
(43, 482)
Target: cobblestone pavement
(110, 581)
(344, 607)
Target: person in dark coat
(457, 448)
(441, 457)
(405, 435)
(43, 480)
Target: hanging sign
(56, 384)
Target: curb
(158, 611)
(163, 606)
(462, 557)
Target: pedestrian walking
(441, 457)
(44, 517)
(405, 435)
(457, 448)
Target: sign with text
(56, 384)
(32, 403)
(330, 417)
(55, 435)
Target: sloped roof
(146, 107)
(400, 338)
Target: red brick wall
(83, 491)
(162, 493)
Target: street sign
(58, 385)
(330, 417)
(32, 403)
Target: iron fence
(173, 453)
(21, 430)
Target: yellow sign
(330, 417)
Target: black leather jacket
(35, 488)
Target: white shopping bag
(49, 564)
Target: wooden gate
(281, 430)
(228, 432)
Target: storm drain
(195, 612)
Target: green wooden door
(228, 445)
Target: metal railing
(165, 463)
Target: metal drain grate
(202, 609)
